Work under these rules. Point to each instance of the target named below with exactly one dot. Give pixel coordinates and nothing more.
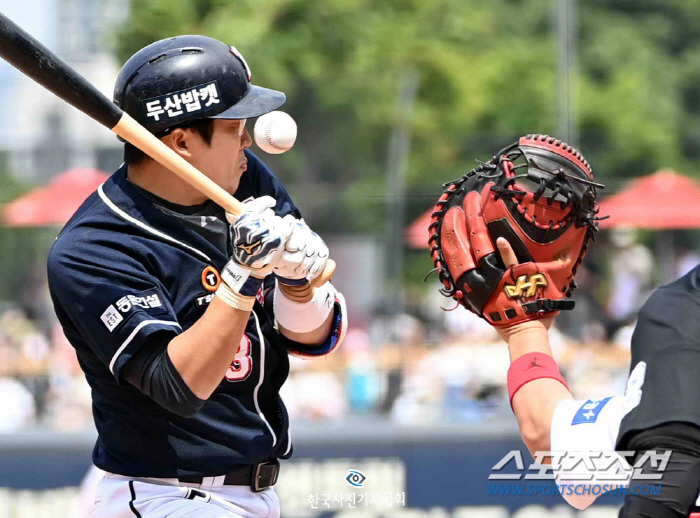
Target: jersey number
(242, 363)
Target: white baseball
(275, 132)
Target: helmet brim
(257, 101)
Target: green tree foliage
(487, 75)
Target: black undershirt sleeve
(152, 372)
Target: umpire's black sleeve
(679, 486)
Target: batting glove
(259, 235)
(258, 241)
(304, 256)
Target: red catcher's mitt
(539, 194)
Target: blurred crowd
(41, 383)
(428, 363)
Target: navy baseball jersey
(130, 270)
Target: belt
(256, 476)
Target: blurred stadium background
(392, 98)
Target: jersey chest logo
(210, 278)
(242, 364)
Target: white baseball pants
(124, 497)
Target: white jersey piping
(262, 377)
(142, 225)
(133, 334)
(289, 442)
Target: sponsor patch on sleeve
(117, 312)
(589, 411)
(111, 318)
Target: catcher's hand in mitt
(537, 193)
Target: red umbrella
(663, 200)
(417, 232)
(55, 203)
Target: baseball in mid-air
(275, 132)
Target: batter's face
(222, 159)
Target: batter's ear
(180, 141)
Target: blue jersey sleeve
(106, 300)
(258, 181)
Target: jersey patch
(210, 278)
(148, 299)
(111, 318)
(117, 312)
(589, 411)
(204, 299)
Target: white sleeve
(584, 433)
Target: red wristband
(530, 367)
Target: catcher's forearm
(534, 403)
(534, 407)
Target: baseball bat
(30, 57)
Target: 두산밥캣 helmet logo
(355, 478)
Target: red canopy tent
(417, 232)
(55, 203)
(660, 201)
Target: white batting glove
(259, 235)
(304, 256)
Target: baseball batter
(178, 322)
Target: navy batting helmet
(186, 78)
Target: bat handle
(136, 134)
(326, 275)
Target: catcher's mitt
(539, 194)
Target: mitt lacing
(449, 188)
(491, 170)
